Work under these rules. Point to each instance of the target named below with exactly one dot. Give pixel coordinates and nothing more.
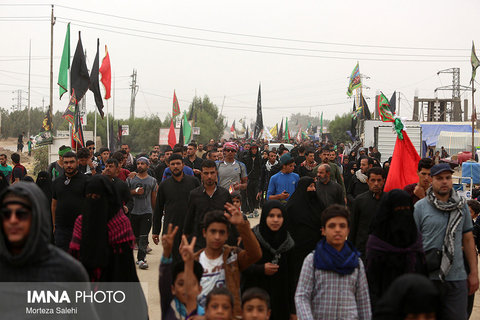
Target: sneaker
(142, 264)
(148, 250)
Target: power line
(258, 45)
(268, 52)
(258, 36)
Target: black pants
(63, 236)
(141, 224)
(252, 190)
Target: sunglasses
(229, 150)
(21, 214)
(91, 148)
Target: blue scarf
(328, 258)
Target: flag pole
(95, 129)
(473, 119)
(108, 130)
(52, 22)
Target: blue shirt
(283, 182)
(432, 223)
(186, 170)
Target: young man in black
(172, 202)
(68, 194)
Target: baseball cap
(286, 158)
(439, 168)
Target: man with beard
(358, 184)
(364, 208)
(207, 197)
(444, 220)
(329, 192)
(306, 167)
(172, 204)
(143, 189)
(192, 160)
(153, 158)
(68, 195)
(131, 163)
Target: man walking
(328, 191)
(68, 195)
(358, 183)
(192, 160)
(5, 168)
(444, 220)
(207, 197)
(172, 202)
(232, 174)
(418, 190)
(364, 209)
(283, 184)
(143, 189)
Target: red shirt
(123, 175)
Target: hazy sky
(306, 73)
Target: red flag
(403, 168)
(232, 128)
(106, 72)
(175, 107)
(172, 139)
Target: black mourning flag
(259, 123)
(80, 79)
(353, 125)
(365, 111)
(393, 102)
(95, 84)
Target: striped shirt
(323, 294)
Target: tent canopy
(431, 131)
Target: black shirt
(199, 204)
(172, 200)
(70, 198)
(196, 164)
(330, 193)
(122, 189)
(364, 209)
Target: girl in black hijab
(273, 272)
(304, 221)
(394, 246)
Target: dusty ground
(9, 146)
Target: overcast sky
(313, 47)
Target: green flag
(64, 65)
(474, 61)
(321, 123)
(355, 80)
(287, 133)
(386, 115)
(187, 129)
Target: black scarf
(277, 253)
(94, 243)
(44, 183)
(273, 238)
(304, 208)
(393, 221)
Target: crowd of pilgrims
(326, 242)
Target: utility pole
(398, 106)
(134, 88)
(29, 69)
(52, 23)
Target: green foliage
(303, 121)
(143, 131)
(338, 127)
(41, 159)
(15, 122)
(207, 118)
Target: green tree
(207, 118)
(338, 127)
